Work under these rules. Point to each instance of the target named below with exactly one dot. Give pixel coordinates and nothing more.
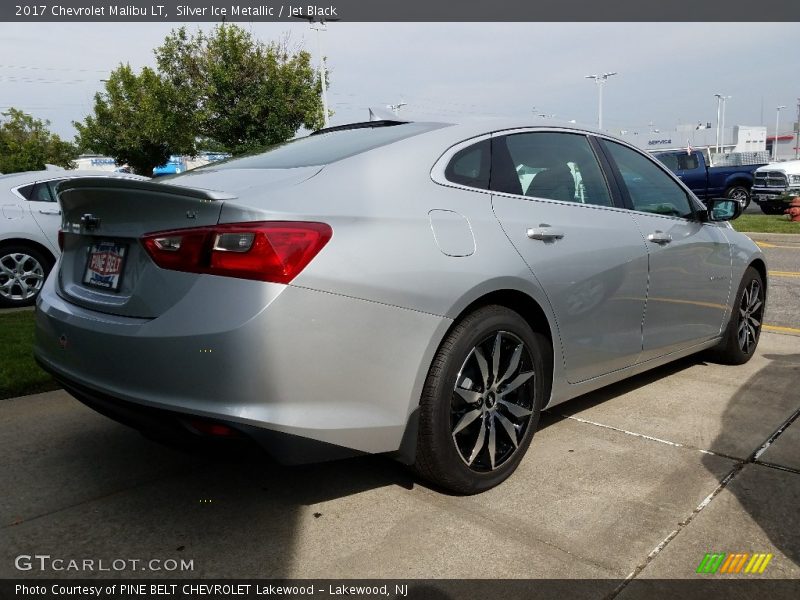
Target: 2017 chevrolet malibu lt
(418, 289)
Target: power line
(32, 68)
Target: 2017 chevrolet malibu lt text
(418, 289)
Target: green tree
(135, 121)
(240, 93)
(26, 144)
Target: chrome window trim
(438, 169)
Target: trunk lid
(103, 266)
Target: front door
(689, 261)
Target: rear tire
(739, 193)
(23, 271)
(744, 328)
(481, 402)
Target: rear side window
(650, 189)
(325, 148)
(553, 166)
(470, 166)
(25, 191)
(40, 193)
(669, 159)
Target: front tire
(739, 193)
(23, 270)
(744, 328)
(481, 401)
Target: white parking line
(640, 435)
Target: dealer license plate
(105, 264)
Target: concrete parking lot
(641, 479)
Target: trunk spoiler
(120, 183)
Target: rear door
(555, 205)
(689, 261)
(45, 211)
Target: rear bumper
(307, 365)
(175, 427)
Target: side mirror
(723, 209)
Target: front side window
(650, 189)
(553, 166)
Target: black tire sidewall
(488, 322)
(731, 351)
(47, 265)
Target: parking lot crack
(752, 459)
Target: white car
(30, 217)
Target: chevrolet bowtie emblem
(90, 222)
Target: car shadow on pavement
(770, 496)
(581, 403)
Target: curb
(6, 311)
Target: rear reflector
(213, 429)
(275, 251)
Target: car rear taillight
(275, 251)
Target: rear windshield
(325, 148)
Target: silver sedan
(418, 289)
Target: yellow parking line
(784, 273)
(768, 245)
(781, 328)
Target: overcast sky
(668, 72)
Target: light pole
(395, 108)
(778, 110)
(600, 80)
(722, 127)
(719, 112)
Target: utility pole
(600, 80)
(318, 25)
(797, 132)
(778, 110)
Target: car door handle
(544, 233)
(49, 211)
(659, 237)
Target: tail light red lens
(275, 251)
